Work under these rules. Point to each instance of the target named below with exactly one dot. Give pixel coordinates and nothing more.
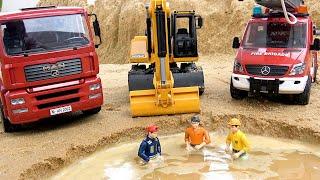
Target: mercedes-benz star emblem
(265, 70)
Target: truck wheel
(7, 126)
(201, 90)
(92, 111)
(315, 74)
(236, 93)
(303, 98)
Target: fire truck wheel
(7, 126)
(303, 98)
(315, 74)
(236, 93)
(92, 111)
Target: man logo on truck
(54, 69)
(265, 70)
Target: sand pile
(81, 3)
(121, 20)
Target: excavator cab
(184, 33)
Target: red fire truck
(276, 56)
(48, 64)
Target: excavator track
(140, 78)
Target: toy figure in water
(150, 148)
(237, 139)
(196, 137)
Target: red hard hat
(152, 128)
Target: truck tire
(201, 90)
(7, 126)
(236, 93)
(92, 111)
(303, 98)
(315, 74)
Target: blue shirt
(149, 148)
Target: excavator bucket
(185, 100)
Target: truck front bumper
(286, 85)
(76, 94)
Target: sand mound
(82, 3)
(121, 20)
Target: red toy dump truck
(48, 64)
(278, 54)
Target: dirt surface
(45, 147)
(121, 20)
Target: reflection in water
(122, 172)
(267, 160)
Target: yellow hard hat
(234, 122)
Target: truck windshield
(275, 35)
(44, 34)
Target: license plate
(60, 110)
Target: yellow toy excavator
(166, 87)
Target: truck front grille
(57, 94)
(259, 70)
(58, 103)
(51, 97)
(48, 71)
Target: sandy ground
(47, 146)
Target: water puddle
(269, 159)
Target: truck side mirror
(97, 30)
(199, 22)
(236, 43)
(316, 45)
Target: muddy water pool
(269, 159)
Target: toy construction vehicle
(172, 83)
(49, 65)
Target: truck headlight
(17, 101)
(237, 67)
(93, 87)
(298, 69)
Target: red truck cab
(49, 65)
(276, 57)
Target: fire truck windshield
(275, 35)
(44, 34)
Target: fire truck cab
(276, 57)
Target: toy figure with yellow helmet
(237, 139)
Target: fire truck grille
(267, 70)
(48, 71)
